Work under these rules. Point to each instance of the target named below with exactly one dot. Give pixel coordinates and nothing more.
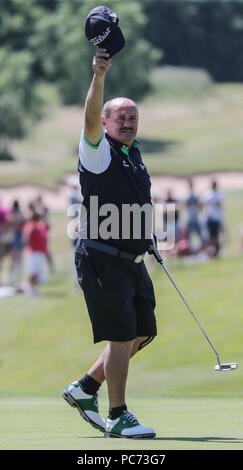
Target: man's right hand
(101, 63)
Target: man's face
(122, 124)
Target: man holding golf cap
(117, 288)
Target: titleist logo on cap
(98, 39)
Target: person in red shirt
(35, 232)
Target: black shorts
(119, 295)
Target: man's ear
(103, 120)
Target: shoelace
(131, 417)
(96, 401)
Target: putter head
(230, 366)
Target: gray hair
(106, 111)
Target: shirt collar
(119, 145)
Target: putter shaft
(160, 260)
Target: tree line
(201, 33)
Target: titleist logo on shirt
(98, 39)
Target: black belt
(111, 250)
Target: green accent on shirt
(136, 144)
(125, 150)
(95, 147)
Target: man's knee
(122, 345)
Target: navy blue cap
(102, 30)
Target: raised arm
(93, 128)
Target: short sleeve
(95, 159)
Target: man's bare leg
(112, 365)
(116, 362)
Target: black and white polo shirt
(113, 179)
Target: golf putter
(154, 251)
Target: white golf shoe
(87, 405)
(127, 426)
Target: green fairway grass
(46, 342)
(180, 424)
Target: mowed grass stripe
(40, 423)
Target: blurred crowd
(198, 223)
(24, 241)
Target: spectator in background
(75, 198)
(16, 253)
(41, 208)
(171, 205)
(75, 193)
(193, 206)
(213, 207)
(35, 232)
(6, 232)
